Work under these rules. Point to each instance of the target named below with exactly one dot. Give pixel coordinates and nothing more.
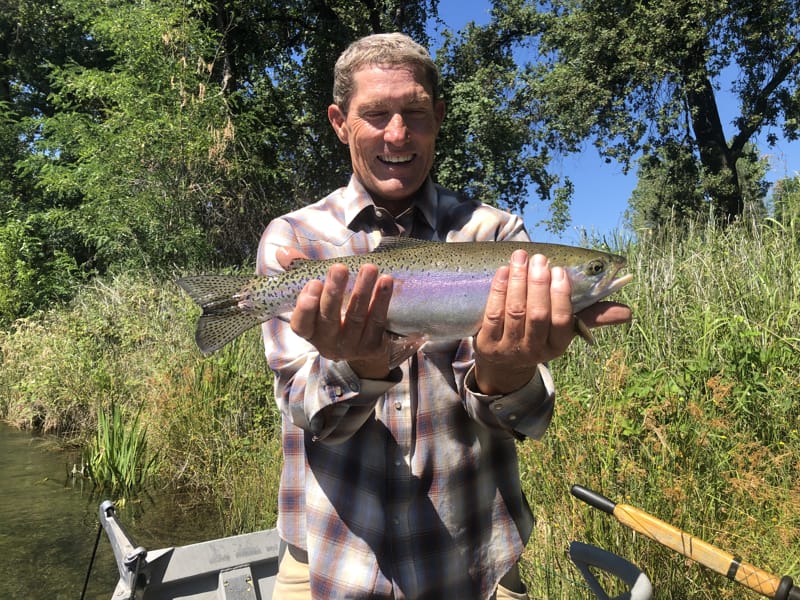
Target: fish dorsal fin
(388, 243)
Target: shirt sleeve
(319, 395)
(526, 412)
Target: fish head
(596, 276)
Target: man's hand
(356, 335)
(529, 320)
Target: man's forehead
(369, 94)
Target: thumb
(286, 256)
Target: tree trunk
(715, 155)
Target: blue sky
(602, 190)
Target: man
(403, 483)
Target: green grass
(691, 412)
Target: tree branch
(749, 126)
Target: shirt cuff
(345, 390)
(526, 412)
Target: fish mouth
(618, 283)
(600, 290)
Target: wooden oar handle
(696, 549)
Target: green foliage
(209, 424)
(34, 270)
(671, 190)
(690, 412)
(131, 143)
(786, 200)
(488, 146)
(636, 77)
(117, 458)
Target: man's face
(391, 126)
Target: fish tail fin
(214, 331)
(212, 291)
(222, 320)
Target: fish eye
(595, 267)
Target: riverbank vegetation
(143, 141)
(692, 412)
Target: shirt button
(398, 405)
(396, 520)
(398, 462)
(498, 406)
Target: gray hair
(392, 49)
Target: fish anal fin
(403, 347)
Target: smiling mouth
(396, 160)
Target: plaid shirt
(406, 488)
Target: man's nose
(396, 130)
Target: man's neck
(397, 206)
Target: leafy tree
(670, 187)
(209, 121)
(643, 78)
(786, 200)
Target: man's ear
(339, 122)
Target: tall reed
(117, 457)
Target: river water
(49, 524)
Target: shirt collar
(356, 199)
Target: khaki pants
(293, 583)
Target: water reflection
(48, 524)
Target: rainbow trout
(440, 289)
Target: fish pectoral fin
(403, 347)
(583, 331)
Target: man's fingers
(358, 307)
(539, 300)
(304, 315)
(562, 320)
(494, 313)
(331, 302)
(375, 326)
(516, 298)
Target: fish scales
(440, 289)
